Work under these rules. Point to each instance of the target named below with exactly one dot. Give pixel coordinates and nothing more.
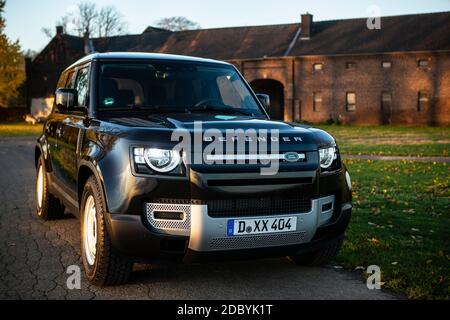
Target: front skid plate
(210, 234)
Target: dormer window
(317, 66)
(350, 65)
(423, 63)
(386, 64)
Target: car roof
(142, 56)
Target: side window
(61, 81)
(82, 86)
(69, 79)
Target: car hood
(138, 126)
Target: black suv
(171, 158)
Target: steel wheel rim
(40, 187)
(90, 230)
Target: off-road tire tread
(112, 267)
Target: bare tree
(30, 54)
(109, 22)
(48, 32)
(85, 19)
(177, 24)
(63, 22)
(91, 21)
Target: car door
(52, 129)
(69, 131)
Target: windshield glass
(173, 86)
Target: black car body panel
(79, 143)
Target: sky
(25, 19)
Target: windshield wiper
(164, 109)
(155, 109)
(209, 108)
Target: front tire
(320, 257)
(47, 206)
(103, 264)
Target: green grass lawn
(401, 223)
(391, 140)
(19, 129)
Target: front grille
(257, 241)
(225, 208)
(170, 211)
(257, 182)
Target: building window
(351, 65)
(351, 101)
(386, 96)
(423, 101)
(317, 101)
(317, 66)
(423, 63)
(386, 64)
(386, 107)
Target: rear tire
(103, 264)
(47, 206)
(320, 257)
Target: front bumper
(206, 238)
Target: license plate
(261, 226)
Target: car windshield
(167, 86)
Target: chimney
(59, 30)
(307, 21)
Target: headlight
(327, 156)
(159, 160)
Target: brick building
(314, 71)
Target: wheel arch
(85, 171)
(37, 155)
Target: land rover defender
(170, 158)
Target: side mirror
(65, 98)
(265, 100)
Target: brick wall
(368, 80)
